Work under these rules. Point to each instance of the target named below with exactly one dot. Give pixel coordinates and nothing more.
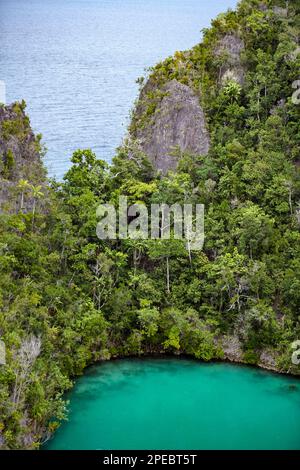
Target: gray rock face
(18, 138)
(232, 348)
(178, 124)
(267, 359)
(230, 48)
(281, 11)
(19, 145)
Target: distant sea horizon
(76, 62)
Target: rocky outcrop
(233, 352)
(267, 360)
(177, 125)
(232, 348)
(229, 49)
(19, 151)
(280, 11)
(169, 120)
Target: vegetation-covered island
(218, 125)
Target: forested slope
(68, 299)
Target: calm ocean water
(75, 62)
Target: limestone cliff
(173, 112)
(20, 153)
(170, 117)
(177, 125)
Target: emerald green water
(180, 404)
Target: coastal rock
(232, 348)
(267, 360)
(19, 151)
(178, 125)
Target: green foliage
(68, 299)
(8, 164)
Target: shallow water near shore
(170, 403)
